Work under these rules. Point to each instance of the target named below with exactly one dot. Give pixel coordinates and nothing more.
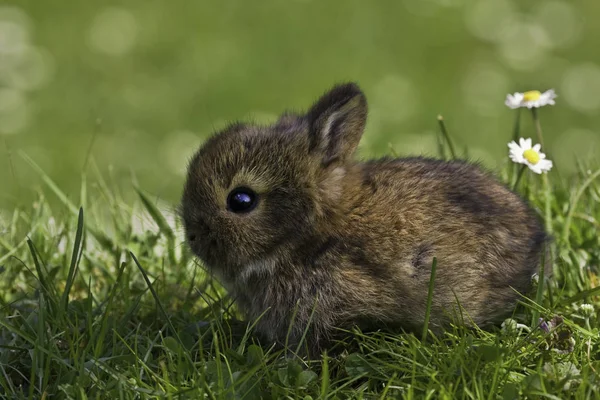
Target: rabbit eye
(241, 200)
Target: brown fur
(340, 242)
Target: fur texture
(338, 242)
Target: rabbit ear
(337, 121)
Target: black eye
(241, 200)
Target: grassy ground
(105, 302)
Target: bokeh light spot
(113, 32)
(524, 46)
(14, 32)
(13, 111)
(34, 69)
(487, 19)
(581, 87)
(561, 22)
(483, 86)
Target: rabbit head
(252, 190)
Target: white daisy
(530, 99)
(524, 153)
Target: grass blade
(447, 136)
(440, 147)
(158, 303)
(515, 137)
(429, 299)
(42, 273)
(75, 257)
(539, 296)
(100, 334)
(573, 205)
(582, 295)
(100, 237)
(325, 377)
(162, 223)
(49, 182)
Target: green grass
(106, 302)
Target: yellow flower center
(532, 95)
(532, 156)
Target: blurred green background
(137, 85)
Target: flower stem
(547, 203)
(539, 297)
(517, 126)
(547, 197)
(547, 187)
(515, 138)
(538, 126)
(446, 136)
(523, 168)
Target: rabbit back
(486, 239)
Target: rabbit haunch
(330, 242)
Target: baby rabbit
(306, 239)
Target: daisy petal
(513, 145)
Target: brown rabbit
(307, 239)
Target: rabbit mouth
(204, 247)
(199, 237)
